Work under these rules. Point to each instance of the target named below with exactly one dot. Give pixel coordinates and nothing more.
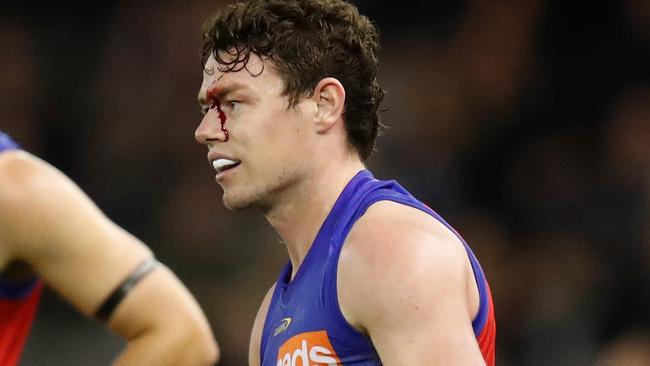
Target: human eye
(232, 104)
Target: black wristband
(106, 310)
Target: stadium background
(525, 123)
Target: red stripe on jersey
(487, 339)
(16, 317)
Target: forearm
(163, 324)
(169, 348)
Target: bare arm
(406, 281)
(49, 223)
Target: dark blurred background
(525, 123)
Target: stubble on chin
(234, 204)
(261, 198)
(242, 201)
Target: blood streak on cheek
(216, 103)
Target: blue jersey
(304, 325)
(6, 143)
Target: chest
(304, 326)
(299, 329)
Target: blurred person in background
(290, 102)
(52, 233)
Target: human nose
(209, 130)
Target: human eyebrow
(223, 91)
(218, 92)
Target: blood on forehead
(212, 94)
(215, 88)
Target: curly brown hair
(306, 40)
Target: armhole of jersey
(479, 321)
(331, 286)
(331, 277)
(330, 293)
(18, 290)
(483, 308)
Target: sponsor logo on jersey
(308, 349)
(284, 324)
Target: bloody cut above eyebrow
(217, 91)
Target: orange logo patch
(308, 349)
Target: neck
(298, 217)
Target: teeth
(221, 164)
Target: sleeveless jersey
(304, 324)
(18, 302)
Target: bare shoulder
(15, 173)
(19, 171)
(29, 183)
(397, 249)
(25, 181)
(258, 328)
(391, 233)
(34, 195)
(388, 217)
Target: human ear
(329, 95)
